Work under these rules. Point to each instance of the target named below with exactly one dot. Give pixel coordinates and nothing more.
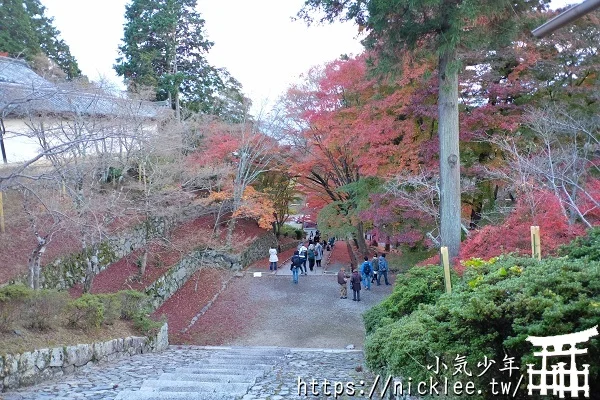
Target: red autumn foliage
(514, 235)
(124, 274)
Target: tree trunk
(34, 271)
(2, 149)
(230, 228)
(217, 228)
(90, 272)
(449, 152)
(360, 239)
(34, 264)
(475, 214)
(144, 261)
(353, 261)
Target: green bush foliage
(491, 311)
(587, 246)
(132, 304)
(13, 300)
(113, 305)
(44, 309)
(287, 230)
(419, 285)
(21, 307)
(144, 324)
(85, 312)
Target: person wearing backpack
(296, 265)
(311, 256)
(366, 270)
(375, 264)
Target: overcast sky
(255, 40)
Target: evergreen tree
(444, 27)
(25, 31)
(164, 47)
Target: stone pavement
(297, 331)
(215, 373)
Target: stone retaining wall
(258, 249)
(36, 366)
(165, 286)
(65, 272)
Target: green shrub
(584, 246)
(146, 326)
(419, 285)
(408, 258)
(132, 303)
(497, 305)
(15, 292)
(44, 309)
(112, 303)
(287, 230)
(12, 305)
(85, 312)
(299, 233)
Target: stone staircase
(207, 373)
(225, 374)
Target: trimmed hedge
(494, 307)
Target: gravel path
(275, 312)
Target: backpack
(367, 268)
(311, 254)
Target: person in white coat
(273, 259)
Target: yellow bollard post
(536, 248)
(446, 263)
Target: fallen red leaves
(184, 305)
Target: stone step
(220, 363)
(210, 377)
(226, 373)
(246, 357)
(196, 387)
(226, 370)
(146, 395)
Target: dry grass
(27, 340)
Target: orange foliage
(258, 207)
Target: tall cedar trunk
(360, 239)
(353, 261)
(449, 152)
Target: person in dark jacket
(375, 264)
(355, 284)
(341, 278)
(296, 265)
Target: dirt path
(271, 311)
